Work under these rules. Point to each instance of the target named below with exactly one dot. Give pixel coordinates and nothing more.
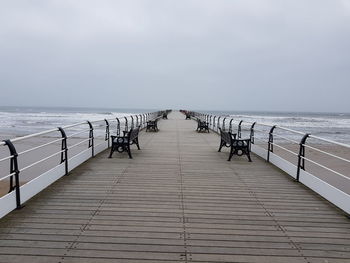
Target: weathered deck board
(178, 200)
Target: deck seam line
(260, 203)
(116, 180)
(182, 194)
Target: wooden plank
(178, 200)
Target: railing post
(14, 169)
(137, 120)
(270, 143)
(118, 126)
(107, 133)
(64, 149)
(91, 139)
(230, 127)
(251, 136)
(218, 125)
(126, 128)
(132, 122)
(239, 131)
(214, 122)
(252, 133)
(144, 120)
(301, 155)
(140, 121)
(210, 120)
(223, 124)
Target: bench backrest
(227, 137)
(133, 134)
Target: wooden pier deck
(178, 200)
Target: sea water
(332, 126)
(19, 121)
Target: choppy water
(334, 126)
(19, 121)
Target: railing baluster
(301, 160)
(118, 126)
(132, 122)
(270, 143)
(107, 133)
(126, 128)
(252, 133)
(14, 169)
(239, 132)
(230, 127)
(218, 125)
(64, 149)
(91, 139)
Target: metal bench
(238, 146)
(152, 125)
(122, 143)
(188, 116)
(202, 126)
(165, 115)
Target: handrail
(281, 162)
(65, 162)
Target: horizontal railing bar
(76, 133)
(6, 158)
(325, 167)
(327, 153)
(294, 131)
(101, 120)
(290, 130)
(279, 136)
(330, 141)
(40, 146)
(7, 176)
(255, 129)
(42, 160)
(100, 144)
(74, 125)
(33, 135)
(271, 125)
(74, 145)
(284, 149)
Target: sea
(19, 121)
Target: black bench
(152, 125)
(238, 146)
(202, 126)
(188, 116)
(122, 143)
(165, 115)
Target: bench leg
(136, 141)
(248, 154)
(231, 154)
(129, 152)
(221, 144)
(112, 150)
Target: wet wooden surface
(178, 200)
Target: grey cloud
(275, 55)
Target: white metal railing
(275, 153)
(70, 154)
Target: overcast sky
(289, 55)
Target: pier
(177, 200)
